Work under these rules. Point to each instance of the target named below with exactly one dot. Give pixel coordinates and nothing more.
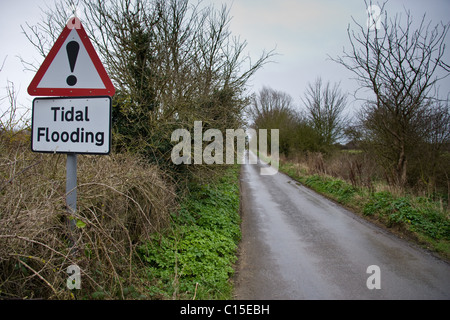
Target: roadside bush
(121, 201)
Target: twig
(32, 241)
(195, 292)
(18, 174)
(40, 277)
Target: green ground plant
(194, 257)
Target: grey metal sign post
(71, 195)
(71, 185)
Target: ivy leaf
(80, 224)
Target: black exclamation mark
(72, 53)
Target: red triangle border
(109, 89)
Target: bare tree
(430, 149)
(267, 103)
(325, 106)
(272, 109)
(401, 65)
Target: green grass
(338, 189)
(195, 257)
(419, 215)
(334, 188)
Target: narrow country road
(298, 245)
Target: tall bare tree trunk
(401, 176)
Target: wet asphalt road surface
(296, 244)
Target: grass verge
(418, 218)
(193, 259)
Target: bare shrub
(357, 168)
(315, 163)
(121, 200)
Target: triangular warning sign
(72, 67)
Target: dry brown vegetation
(121, 200)
(361, 170)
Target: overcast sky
(303, 32)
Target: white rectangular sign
(71, 125)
